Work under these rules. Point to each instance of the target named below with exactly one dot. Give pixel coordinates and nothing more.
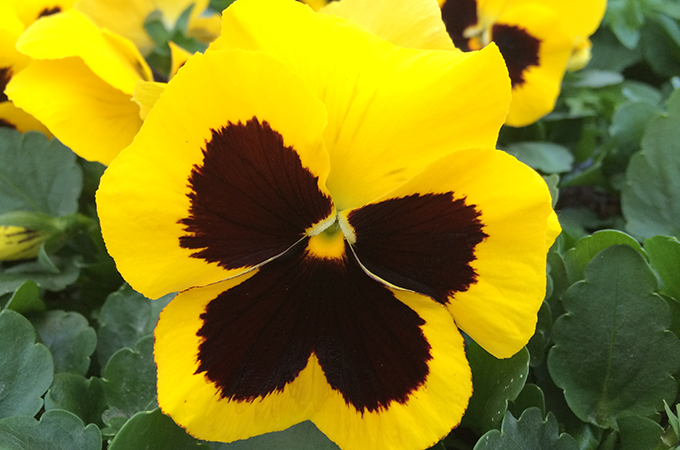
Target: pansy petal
(578, 17)
(406, 23)
(179, 57)
(226, 173)
(13, 117)
(454, 99)
(146, 95)
(498, 308)
(537, 64)
(311, 339)
(31, 10)
(112, 58)
(11, 61)
(76, 97)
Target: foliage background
(601, 372)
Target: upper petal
(391, 110)
(498, 307)
(226, 173)
(406, 23)
(111, 57)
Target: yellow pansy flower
(93, 74)
(331, 209)
(538, 39)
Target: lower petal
(296, 341)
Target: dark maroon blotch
(423, 243)
(49, 11)
(259, 335)
(251, 198)
(459, 15)
(518, 47)
(5, 76)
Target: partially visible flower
(538, 39)
(127, 18)
(86, 99)
(13, 21)
(23, 233)
(330, 208)
(19, 243)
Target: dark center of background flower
(519, 48)
(459, 15)
(5, 76)
(49, 11)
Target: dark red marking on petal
(259, 335)
(49, 11)
(251, 198)
(5, 76)
(457, 16)
(518, 47)
(5, 124)
(423, 243)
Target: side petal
(406, 23)
(391, 110)
(310, 339)
(111, 57)
(77, 97)
(498, 309)
(226, 173)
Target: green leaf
(303, 436)
(650, 200)
(26, 299)
(530, 432)
(151, 430)
(577, 258)
(69, 337)
(56, 430)
(13, 277)
(664, 255)
(26, 370)
(636, 433)
(126, 317)
(538, 343)
(613, 355)
(78, 395)
(155, 28)
(530, 397)
(130, 381)
(495, 382)
(37, 175)
(544, 156)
